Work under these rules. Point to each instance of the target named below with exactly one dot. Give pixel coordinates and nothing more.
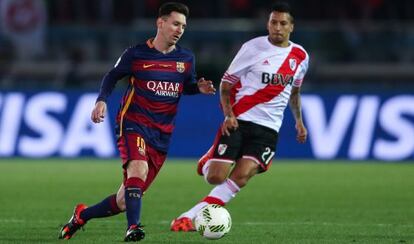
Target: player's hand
(206, 86)
(230, 123)
(98, 113)
(302, 133)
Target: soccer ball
(213, 221)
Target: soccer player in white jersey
(263, 78)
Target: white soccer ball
(213, 221)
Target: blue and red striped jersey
(156, 83)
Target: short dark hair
(282, 7)
(169, 7)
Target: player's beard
(277, 39)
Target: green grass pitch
(295, 202)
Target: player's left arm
(201, 86)
(194, 86)
(295, 100)
(296, 108)
(206, 86)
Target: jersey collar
(150, 45)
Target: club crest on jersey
(180, 67)
(221, 149)
(292, 63)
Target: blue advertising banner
(341, 126)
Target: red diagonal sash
(270, 91)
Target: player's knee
(137, 168)
(215, 179)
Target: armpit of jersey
(230, 78)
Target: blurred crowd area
(59, 44)
(127, 11)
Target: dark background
(354, 46)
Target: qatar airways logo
(164, 88)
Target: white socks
(225, 191)
(221, 194)
(194, 210)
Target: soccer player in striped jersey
(265, 75)
(159, 72)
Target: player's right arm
(121, 69)
(237, 68)
(98, 112)
(230, 120)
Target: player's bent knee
(215, 179)
(137, 168)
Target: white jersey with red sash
(263, 75)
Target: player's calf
(215, 179)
